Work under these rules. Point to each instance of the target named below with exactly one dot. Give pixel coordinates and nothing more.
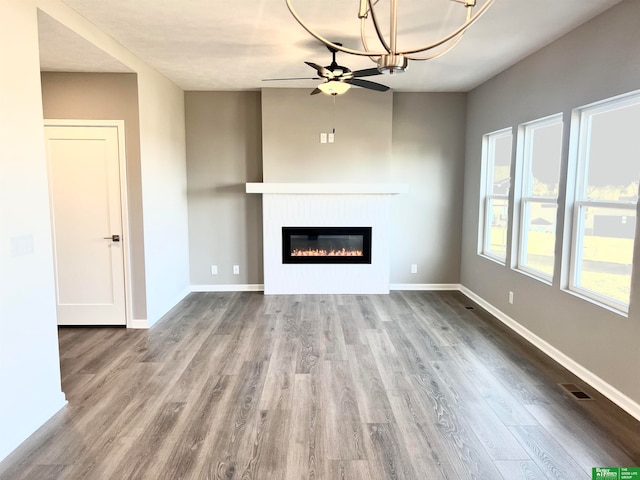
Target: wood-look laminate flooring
(412, 385)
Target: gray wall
(223, 152)
(415, 138)
(596, 61)
(428, 155)
(107, 96)
(292, 121)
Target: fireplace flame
(315, 252)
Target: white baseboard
(424, 286)
(609, 391)
(140, 323)
(258, 287)
(250, 287)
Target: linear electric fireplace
(326, 244)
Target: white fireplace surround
(326, 205)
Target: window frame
(581, 127)
(487, 195)
(523, 195)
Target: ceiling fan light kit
(390, 58)
(334, 87)
(338, 79)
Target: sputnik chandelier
(392, 59)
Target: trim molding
(330, 188)
(141, 323)
(249, 287)
(259, 287)
(123, 198)
(609, 391)
(425, 286)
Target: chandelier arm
(363, 38)
(329, 43)
(470, 21)
(377, 28)
(453, 43)
(364, 11)
(441, 52)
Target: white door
(84, 181)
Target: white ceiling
(222, 45)
(62, 50)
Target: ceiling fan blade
(367, 84)
(369, 72)
(315, 91)
(290, 78)
(323, 72)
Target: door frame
(122, 160)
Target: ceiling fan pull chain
(334, 114)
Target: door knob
(113, 238)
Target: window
(496, 163)
(539, 156)
(606, 195)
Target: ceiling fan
(337, 78)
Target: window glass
(498, 217)
(606, 252)
(501, 164)
(496, 160)
(613, 164)
(545, 152)
(539, 160)
(608, 172)
(539, 238)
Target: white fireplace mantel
(326, 205)
(328, 188)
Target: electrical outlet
(414, 268)
(236, 269)
(331, 137)
(214, 269)
(511, 298)
(323, 138)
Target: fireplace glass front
(326, 244)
